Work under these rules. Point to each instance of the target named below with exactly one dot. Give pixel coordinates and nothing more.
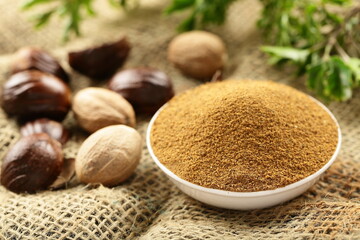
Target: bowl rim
(245, 194)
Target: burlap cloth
(148, 206)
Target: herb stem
(342, 52)
(333, 34)
(329, 46)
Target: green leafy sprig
(320, 38)
(202, 12)
(72, 11)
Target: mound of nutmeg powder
(243, 136)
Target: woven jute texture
(148, 206)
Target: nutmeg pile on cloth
(148, 205)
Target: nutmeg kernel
(198, 54)
(95, 108)
(109, 156)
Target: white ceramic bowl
(244, 200)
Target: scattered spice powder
(243, 136)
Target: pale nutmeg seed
(109, 156)
(96, 108)
(198, 54)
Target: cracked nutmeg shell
(147, 89)
(32, 94)
(96, 108)
(54, 129)
(66, 175)
(32, 164)
(31, 58)
(100, 62)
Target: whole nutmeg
(32, 94)
(31, 58)
(147, 89)
(54, 129)
(32, 164)
(100, 62)
(96, 108)
(198, 54)
(109, 156)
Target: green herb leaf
(31, 3)
(337, 2)
(202, 12)
(331, 80)
(287, 53)
(123, 3)
(188, 24)
(354, 66)
(43, 18)
(339, 82)
(179, 5)
(89, 8)
(315, 78)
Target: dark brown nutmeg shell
(147, 89)
(100, 62)
(30, 58)
(54, 129)
(32, 164)
(32, 94)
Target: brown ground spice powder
(243, 136)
